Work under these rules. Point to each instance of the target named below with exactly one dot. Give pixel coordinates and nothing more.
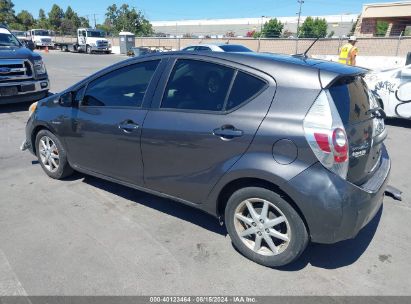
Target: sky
(156, 10)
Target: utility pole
(298, 24)
(95, 23)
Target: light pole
(298, 24)
(261, 26)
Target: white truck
(88, 41)
(41, 38)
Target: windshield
(234, 48)
(41, 33)
(96, 34)
(8, 40)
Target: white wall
(371, 62)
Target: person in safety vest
(349, 52)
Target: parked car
(139, 51)
(283, 149)
(233, 48)
(23, 75)
(386, 84)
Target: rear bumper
(27, 91)
(336, 209)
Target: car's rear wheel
(52, 155)
(264, 227)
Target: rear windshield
(350, 95)
(234, 48)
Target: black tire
(63, 169)
(298, 236)
(88, 50)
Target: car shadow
(327, 256)
(15, 107)
(398, 122)
(170, 207)
(341, 254)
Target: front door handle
(128, 126)
(227, 132)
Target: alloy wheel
(262, 226)
(49, 154)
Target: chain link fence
(391, 46)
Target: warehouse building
(396, 15)
(339, 25)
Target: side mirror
(404, 92)
(66, 100)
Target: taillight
(326, 135)
(340, 144)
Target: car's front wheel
(264, 227)
(52, 156)
(88, 50)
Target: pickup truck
(23, 75)
(87, 41)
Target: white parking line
(9, 283)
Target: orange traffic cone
(46, 50)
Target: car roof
(263, 59)
(293, 71)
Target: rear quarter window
(245, 87)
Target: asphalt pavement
(87, 236)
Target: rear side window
(245, 86)
(197, 85)
(351, 98)
(124, 87)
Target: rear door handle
(228, 132)
(128, 126)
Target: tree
(84, 22)
(272, 29)
(250, 33)
(25, 19)
(126, 19)
(7, 12)
(331, 34)
(42, 21)
(313, 28)
(381, 28)
(287, 34)
(55, 17)
(70, 22)
(69, 14)
(354, 26)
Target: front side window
(124, 87)
(197, 85)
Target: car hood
(17, 53)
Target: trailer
(87, 41)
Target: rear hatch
(364, 127)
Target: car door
(106, 127)
(201, 125)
